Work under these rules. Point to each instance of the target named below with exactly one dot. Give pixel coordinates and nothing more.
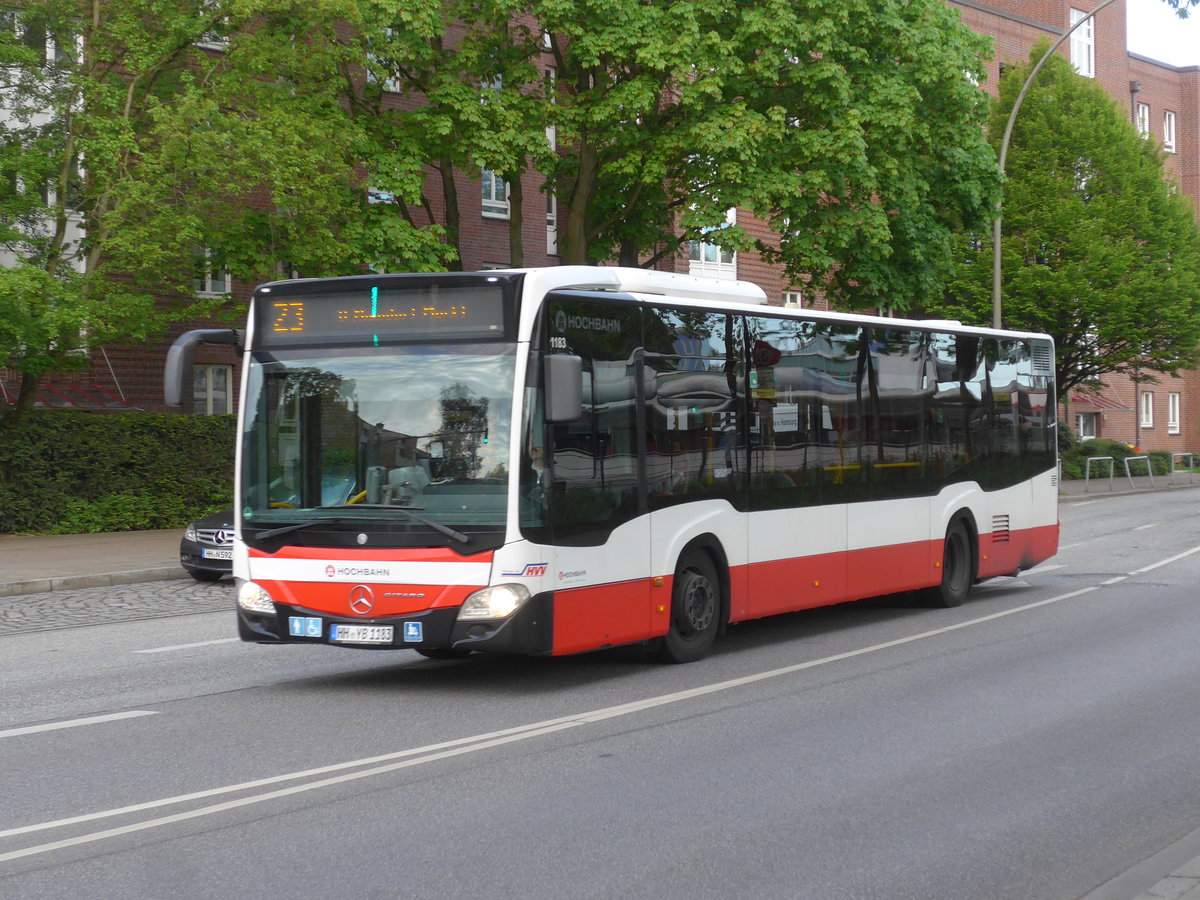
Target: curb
(74, 582)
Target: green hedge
(69, 471)
(1074, 460)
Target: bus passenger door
(601, 533)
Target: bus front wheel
(958, 565)
(695, 610)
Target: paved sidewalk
(34, 564)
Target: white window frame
(1083, 45)
(205, 405)
(1147, 417)
(496, 204)
(378, 195)
(709, 260)
(1085, 425)
(212, 40)
(793, 299)
(1173, 412)
(551, 224)
(1142, 119)
(1169, 131)
(550, 79)
(213, 282)
(391, 83)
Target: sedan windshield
(409, 443)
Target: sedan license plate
(217, 554)
(361, 634)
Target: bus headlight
(496, 602)
(253, 598)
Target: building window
(550, 80)
(212, 393)
(551, 224)
(381, 69)
(210, 280)
(1085, 425)
(1173, 413)
(1147, 409)
(215, 25)
(793, 299)
(1169, 131)
(495, 196)
(710, 260)
(1143, 119)
(1083, 45)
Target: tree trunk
(516, 221)
(575, 236)
(26, 396)
(453, 214)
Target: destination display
(375, 314)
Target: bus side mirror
(179, 358)
(563, 378)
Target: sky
(1155, 30)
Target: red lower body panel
(587, 618)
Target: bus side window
(695, 445)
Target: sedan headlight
(253, 598)
(189, 533)
(497, 602)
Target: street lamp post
(1008, 128)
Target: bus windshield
(407, 443)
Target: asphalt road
(1037, 742)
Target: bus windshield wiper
(409, 511)
(297, 526)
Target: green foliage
(1074, 460)
(65, 471)
(1100, 249)
(850, 125)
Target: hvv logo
(531, 570)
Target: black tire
(202, 575)
(442, 652)
(958, 568)
(695, 610)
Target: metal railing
(1149, 468)
(1087, 471)
(1191, 467)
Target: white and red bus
(556, 460)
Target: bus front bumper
(528, 631)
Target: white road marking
(189, 646)
(75, 723)
(421, 755)
(1042, 569)
(1144, 527)
(1178, 556)
(1113, 580)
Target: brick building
(1164, 100)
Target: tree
(147, 138)
(852, 126)
(1101, 250)
(474, 100)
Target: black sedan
(206, 551)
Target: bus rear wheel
(958, 569)
(695, 610)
